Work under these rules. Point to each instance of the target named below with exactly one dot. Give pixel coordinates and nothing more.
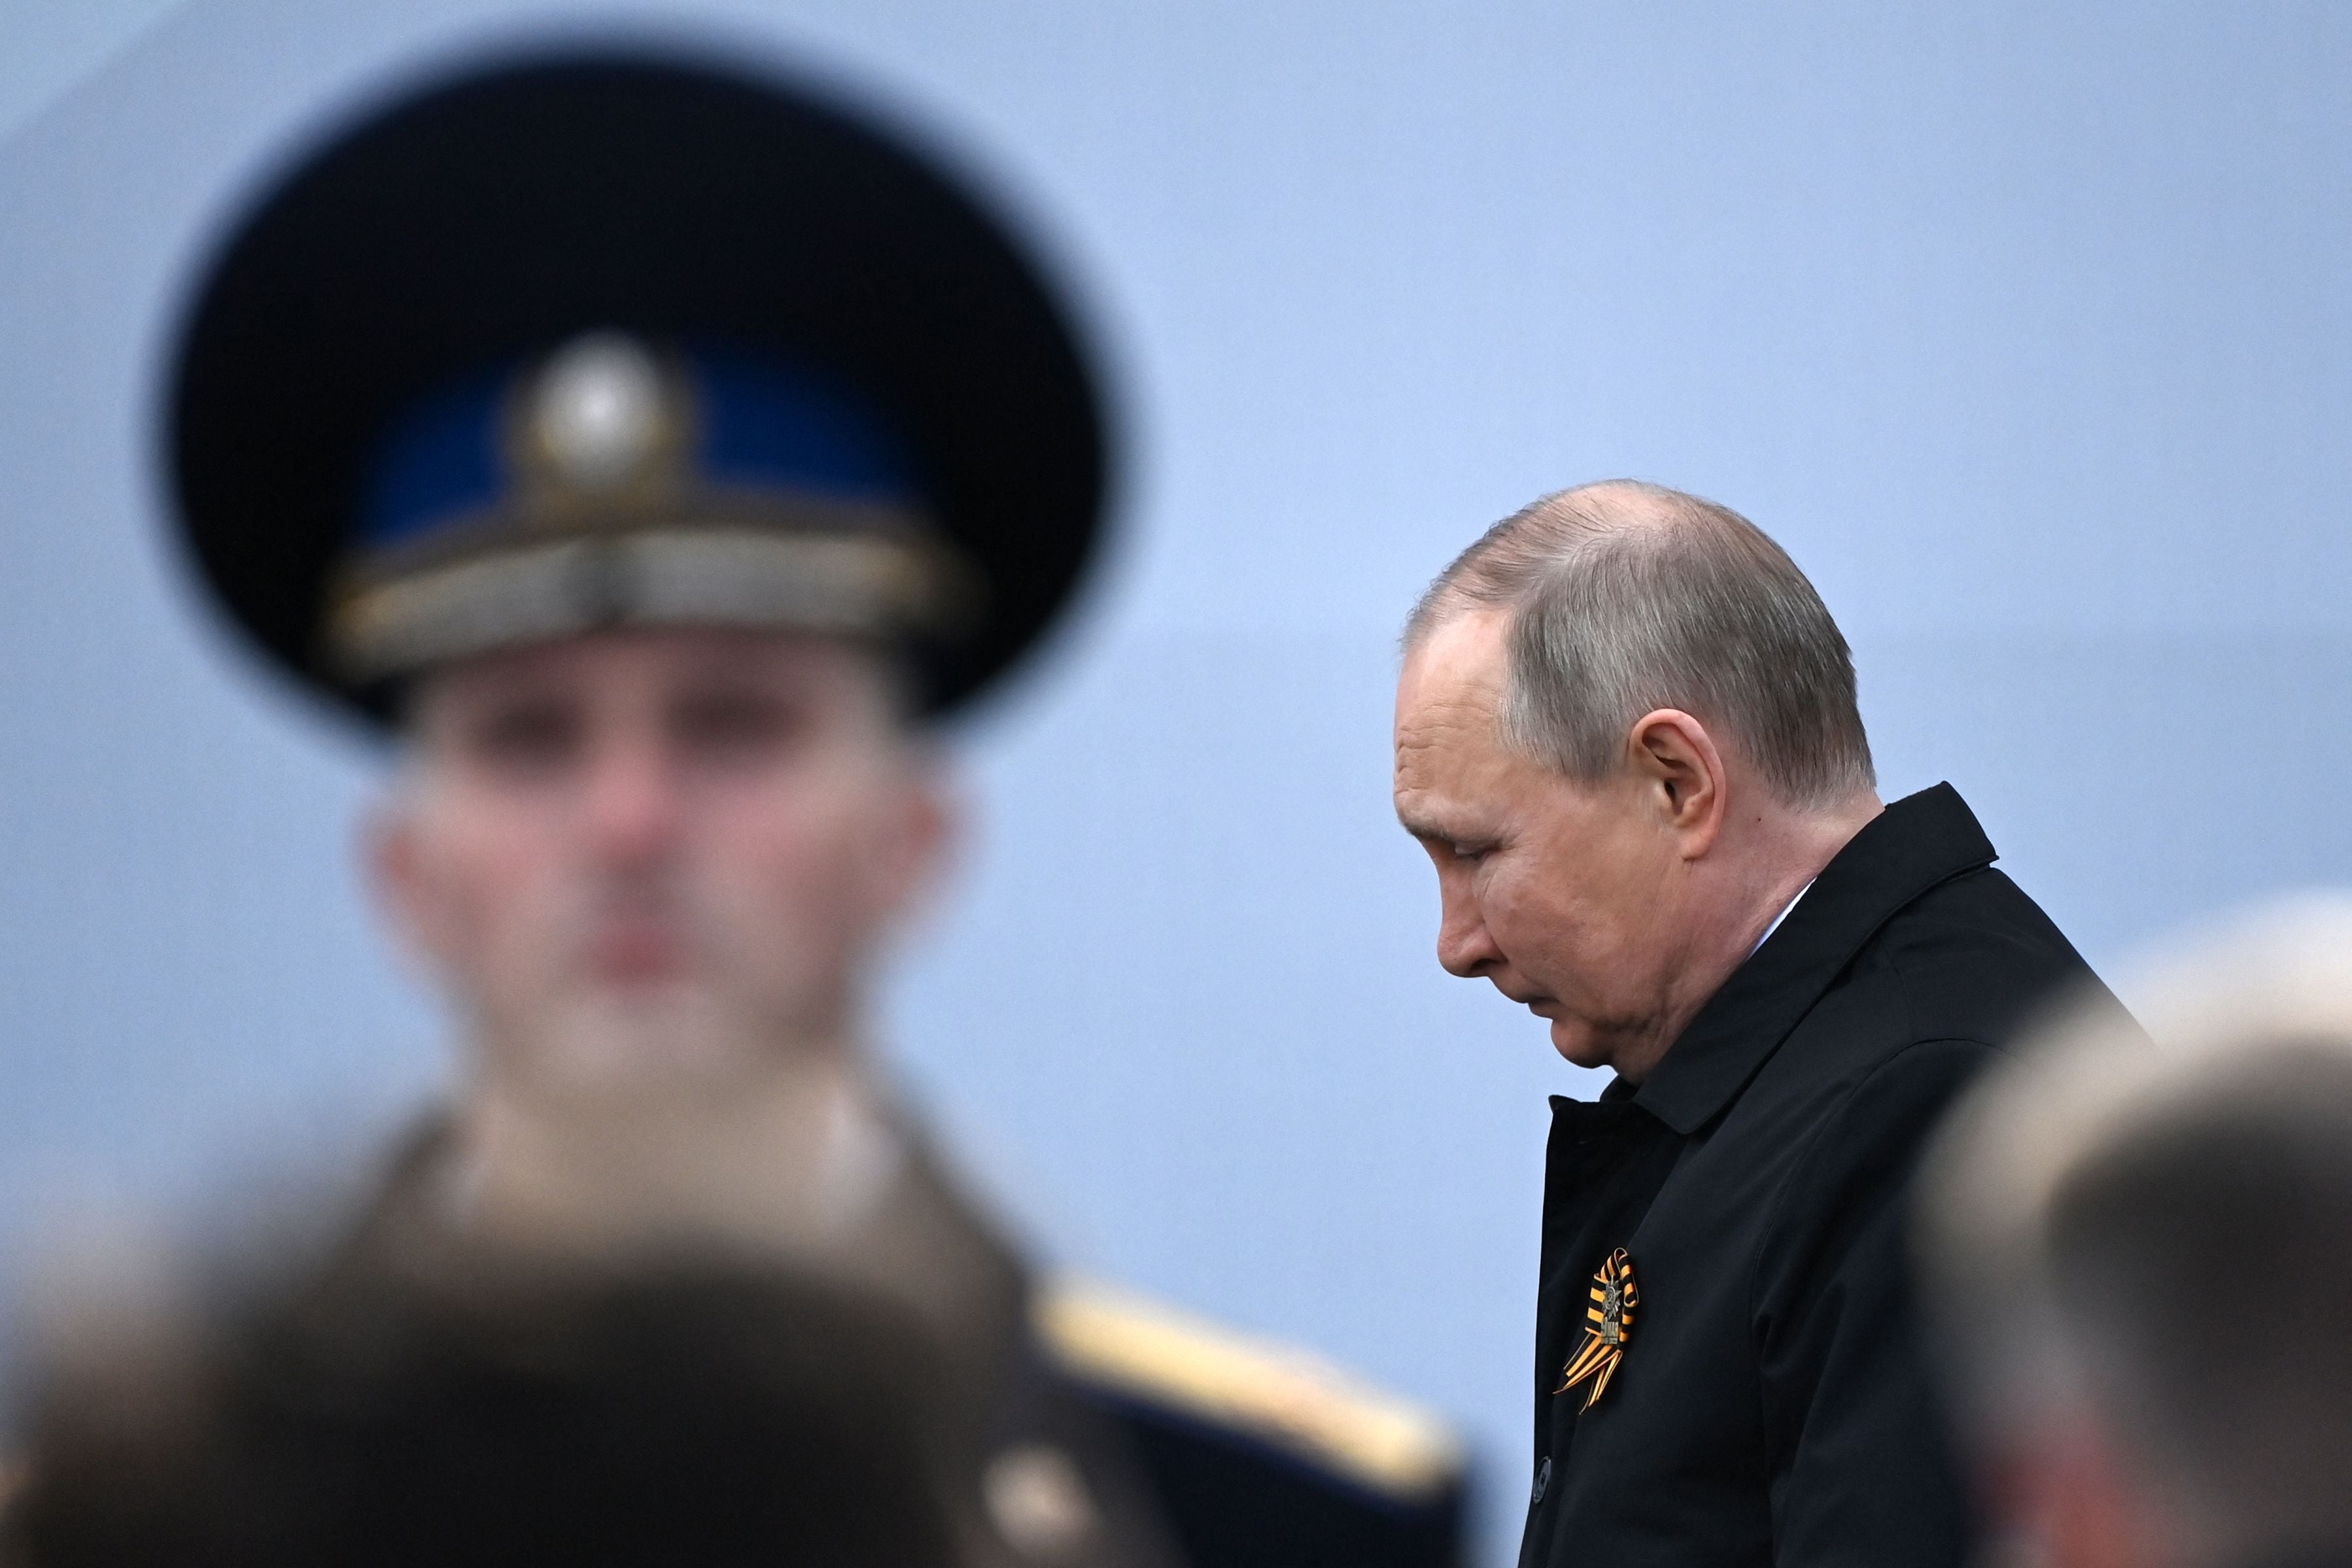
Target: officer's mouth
(636, 953)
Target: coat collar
(1916, 842)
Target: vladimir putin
(1627, 737)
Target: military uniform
(1116, 1426)
(617, 338)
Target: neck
(1787, 851)
(1776, 854)
(634, 1157)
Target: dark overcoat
(1769, 1403)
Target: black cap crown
(478, 231)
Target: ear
(390, 862)
(1679, 769)
(926, 833)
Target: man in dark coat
(1627, 737)
(653, 451)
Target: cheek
(790, 867)
(478, 882)
(1533, 918)
(809, 860)
(1501, 903)
(1557, 930)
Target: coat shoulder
(1975, 958)
(1261, 1452)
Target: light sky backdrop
(2025, 327)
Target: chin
(640, 1033)
(1577, 1045)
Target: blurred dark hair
(711, 1416)
(2205, 1262)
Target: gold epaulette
(1271, 1391)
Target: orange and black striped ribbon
(1609, 1324)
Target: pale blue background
(2024, 327)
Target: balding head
(1621, 598)
(1626, 737)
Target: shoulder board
(1275, 1392)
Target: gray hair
(2156, 1229)
(1626, 598)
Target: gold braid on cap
(606, 525)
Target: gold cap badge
(1609, 1324)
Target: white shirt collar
(1782, 915)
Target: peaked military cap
(618, 338)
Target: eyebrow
(1422, 827)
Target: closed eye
(529, 736)
(723, 724)
(1445, 848)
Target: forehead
(648, 665)
(1449, 695)
(1452, 682)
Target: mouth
(636, 953)
(1534, 1001)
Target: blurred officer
(679, 1417)
(659, 452)
(2141, 1262)
(1626, 734)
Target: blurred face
(1566, 895)
(658, 850)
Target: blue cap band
(613, 485)
(757, 425)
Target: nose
(1465, 947)
(630, 804)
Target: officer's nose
(631, 808)
(1464, 944)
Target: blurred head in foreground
(686, 1415)
(2143, 1261)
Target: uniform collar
(1916, 842)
